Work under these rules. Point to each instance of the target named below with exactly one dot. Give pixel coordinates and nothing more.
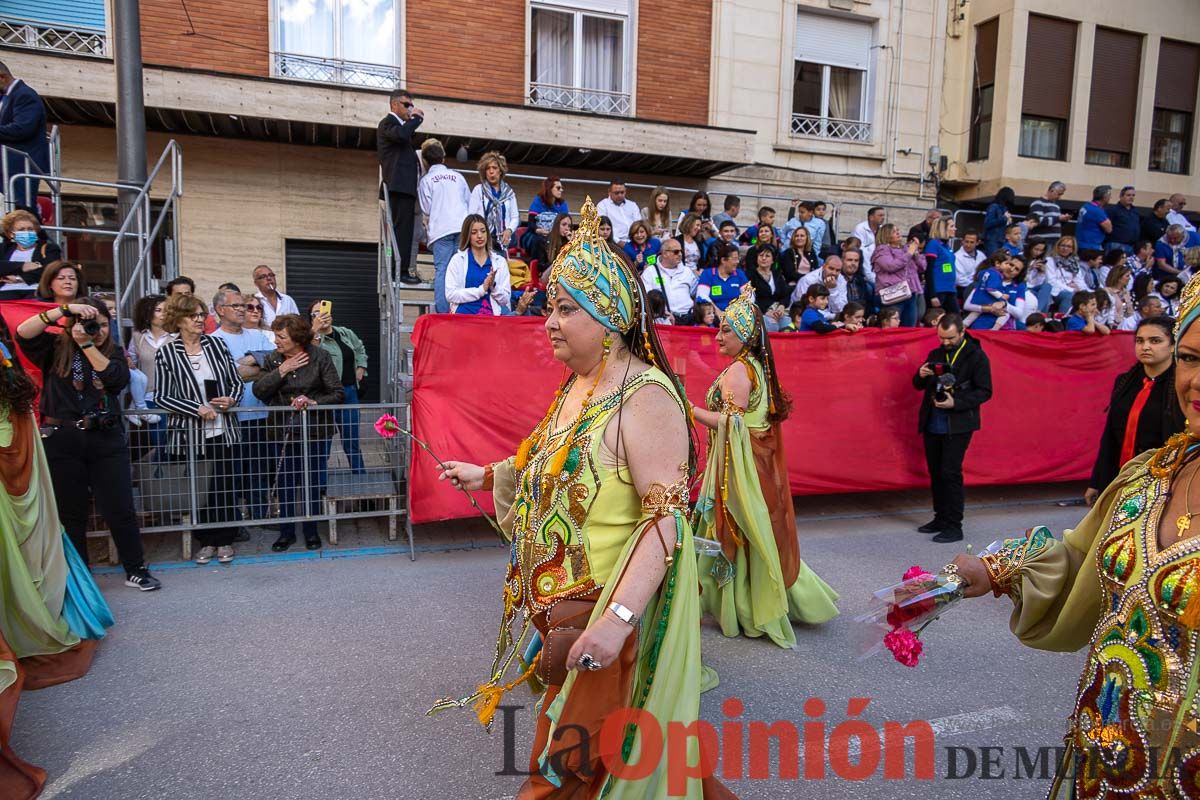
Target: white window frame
(823, 126)
(393, 74)
(617, 10)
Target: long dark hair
(1006, 197)
(464, 236)
(17, 389)
(1170, 410)
(779, 403)
(547, 191)
(555, 243)
(65, 348)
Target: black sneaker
(933, 526)
(243, 534)
(143, 580)
(949, 535)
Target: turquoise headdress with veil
(1189, 310)
(595, 277)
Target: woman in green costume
(1125, 585)
(50, 610)
(758, 584)
(601, 606)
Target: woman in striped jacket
(196, 380)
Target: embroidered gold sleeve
(1004, 566)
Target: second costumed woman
(758, 585)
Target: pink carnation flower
(905, 646)
(916, 572)
(387, 426)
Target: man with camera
(956, 379)
(83, 374)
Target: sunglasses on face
(407, 105)
(263, 275)
(252, 307)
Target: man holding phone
(956, 379)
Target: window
(1174, 107)
(579, 57)
(1042, 138)
(355, 42)
(985, 90)
(1049, 79)
(70, 27)
(830, 80)
(1116, 73)
(1169, 138)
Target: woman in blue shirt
(547, 204)
(477, 279)
(997, 219)
(940, 275)
(642, 248)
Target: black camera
(945, 382)
(91, 327)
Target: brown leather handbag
(565, 622)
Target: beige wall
(752, 88)
(1176, 19)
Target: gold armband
(660, 501)
(732, 409)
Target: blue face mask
(26, 238)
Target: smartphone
(211, 390)
(326, 307)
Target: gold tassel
(490, 694)
(522, 458)
(559, 462)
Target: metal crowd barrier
(324, 464)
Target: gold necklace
(1184, 523)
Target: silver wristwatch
(624, 614)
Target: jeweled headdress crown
(596, 277)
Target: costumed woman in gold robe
(600, 601)
(1125, 585)
(51, 612)
(758, 585)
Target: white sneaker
(151, 419)
(135, 420)
(205, 555)
(225, 554)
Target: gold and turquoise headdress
(595, 277)
(741, 315)
(1189, 309)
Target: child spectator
(1083, 315)
(658, 308)
(816, 301)
(1013, 236)
(705, 315)
(1142, 260)
(852, 317)
(888, 318)
(989, 289)
(795, 312)
(1035, 280)
(1090, 262)
(933, 317)
(766, 216)
(1035, 322)
(658, 214)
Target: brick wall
(230, 35)
(673, 52)
(473, 51)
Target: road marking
(112, 752)
(976, 721)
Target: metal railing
(31, 170)
(391, 309)
(597, 101)
(846, 130)
(335, 70)
(287, 468)
(21, 33)
(141, 225)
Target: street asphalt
(309, 677)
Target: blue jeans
(347, 422)
(908, 312)
(443, 250)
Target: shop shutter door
(345, 273)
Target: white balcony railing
(16, 33)
(846, 130)
(335, 70)
(574, 98)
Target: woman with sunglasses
(254, 318)
(545, 208)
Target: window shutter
(1116, 72)
(837, 41)
(1049, 67)
(985, 51)
(75, 14)
(1178, 69)
(620, 7)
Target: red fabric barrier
(482, 383)
(14, 312)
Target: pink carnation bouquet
(899, 613)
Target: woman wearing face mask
(24, 252)
(596, 500)
(758, 585)
(477, 280)
(83, 375)
(1120, 587)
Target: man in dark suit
(23, 129)
(401, 169)
(956, 380)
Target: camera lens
(91, 327)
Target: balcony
(42, 37)
(596, 101)
(335, 70)
(843, 130)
